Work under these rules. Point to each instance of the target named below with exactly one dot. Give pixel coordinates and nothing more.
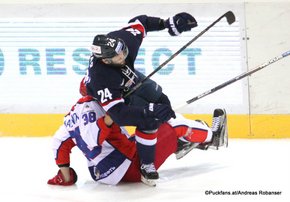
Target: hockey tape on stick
(275, 59)
(230, 17)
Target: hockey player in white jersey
(111, 152)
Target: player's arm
(62, 146)
(176, 25)
(145, 118)
(107, 92)
(125, 115)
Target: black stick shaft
(230, 18)
(237, 78)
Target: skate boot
(184, 148)
(149, 174)
(219, 129)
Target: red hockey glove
(59, 179)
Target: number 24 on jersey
(105, 95)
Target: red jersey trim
(108, 105)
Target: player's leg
(219, 129)
(165, 146)
(197, 134)
(146, 148)
(191, 136)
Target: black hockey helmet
(107, 47)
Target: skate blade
(148, 182)
(225, 138)
(221, 142)
(183, 152)
(224, 141)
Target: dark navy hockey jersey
(108, 83)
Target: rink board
(46, 51)
(240, 126)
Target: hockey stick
(275, 59)
(230, 17)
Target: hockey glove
(160, 112)
(163, 99)
(59, 179)
(179, 23)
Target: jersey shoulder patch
(136, 28)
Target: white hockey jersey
(109, 150)
(84, 125)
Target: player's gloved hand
(163, 99)
(179, 23)
(59, 178)
(160, 112)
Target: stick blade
(230, 16)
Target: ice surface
(245, 166)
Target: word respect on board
(57, 61)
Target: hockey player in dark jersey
(111, 74)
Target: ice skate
(220, 131)
(184, 148)
(149, 174)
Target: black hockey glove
(160, 112)
(163, 99)
(179, 23)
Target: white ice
(245, 166)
